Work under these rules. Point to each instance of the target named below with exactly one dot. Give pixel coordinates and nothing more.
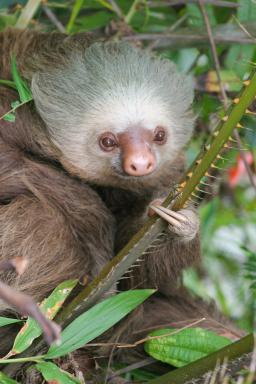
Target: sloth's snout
(139, 165)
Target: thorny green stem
(221, 135)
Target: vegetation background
(215, 42)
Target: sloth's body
(79, 170)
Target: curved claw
(170, 216)
(167, 213)
(184, 223)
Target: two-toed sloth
(80, 167)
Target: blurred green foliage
(178, 33)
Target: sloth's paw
(183, 223)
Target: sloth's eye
(160, 136)
(108, 141)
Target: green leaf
(23, 90)
(6, 20)
(250, 267)
(200, 367)
(6, 380)
(50, 306)
(195, 15)
(97, 20)
(52, 373)
(6, 321)
(179, 349)
(97, 320)
(242, 53)
(246, 10)
(15, 104)
(9, 117)
(186, 58)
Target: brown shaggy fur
(66, 226)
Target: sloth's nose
(138, 165)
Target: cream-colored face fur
(112, 88)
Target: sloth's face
(116, 113)
(127, 141)
(125, 158)
(118, 146)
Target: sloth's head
(116, 113)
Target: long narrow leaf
(6, 321)
(50, 306)
(24, 91)
(97, 320)
(6, 380)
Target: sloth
(81, 166)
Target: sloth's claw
(166, 214)
(183, 223)
(169, 213)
